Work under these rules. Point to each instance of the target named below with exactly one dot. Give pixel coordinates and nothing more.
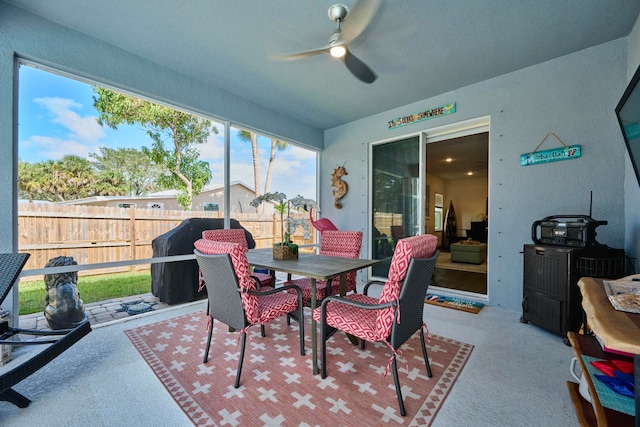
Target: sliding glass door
(397, 196)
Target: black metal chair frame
(411, 300)
(225, 303)
(10, 266)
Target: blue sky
(56, 117)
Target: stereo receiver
(566, 230)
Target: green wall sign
(443, 110)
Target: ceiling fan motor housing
(338, 12)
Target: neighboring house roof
(166, 194)
(40, 202)
(206, 189)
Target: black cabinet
(551, 297)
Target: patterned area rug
(277, 387)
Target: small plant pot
(285, 252)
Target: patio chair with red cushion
(236, 235)
(346, 244)
(396, 315)
(234, 298)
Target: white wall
(574, 97)
(469, 198)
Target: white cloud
(213, 150)
(55, 148)
(84, 129)
(298, 153)
(244, 172)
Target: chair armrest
(258, 282)
(274, 290)
(371, 282)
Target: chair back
(411, 299)
(241, 270)
(231, 235)
(11, 265)
(225, 303)
(407, 249)
(345, 244)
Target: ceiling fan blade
(358, 18)
(298, 55)
(359, 68)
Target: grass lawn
(91, 288)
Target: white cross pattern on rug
(277, 386)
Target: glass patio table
(315, 267)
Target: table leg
(273, 277)
(314, 332)
(343, 284)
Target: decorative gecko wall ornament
(340, 187)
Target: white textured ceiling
(418, 48)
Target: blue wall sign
(632, 131)
(546, 156)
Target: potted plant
(286, 249)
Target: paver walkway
(98, 312)
(106, 311)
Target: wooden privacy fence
(99, 234)
(383, 221)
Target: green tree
(110, 183)
(181, 131)
(138, 174)
(29, 181)
(78, 174)
(71, 177)
(53, 185)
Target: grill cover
(177, 282)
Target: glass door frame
(421, 183)
(449, 131)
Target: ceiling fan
(337, 47)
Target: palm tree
(275, 145)
(29, 182)
(247, 136)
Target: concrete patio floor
(515, 376)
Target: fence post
(273, 241)
(132, 227)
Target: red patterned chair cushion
(236, 235)
(359, 321)
(231, 235)
(352, 320)
(258, 308)
(345, 244)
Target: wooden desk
(315, 267)
(618, 330)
